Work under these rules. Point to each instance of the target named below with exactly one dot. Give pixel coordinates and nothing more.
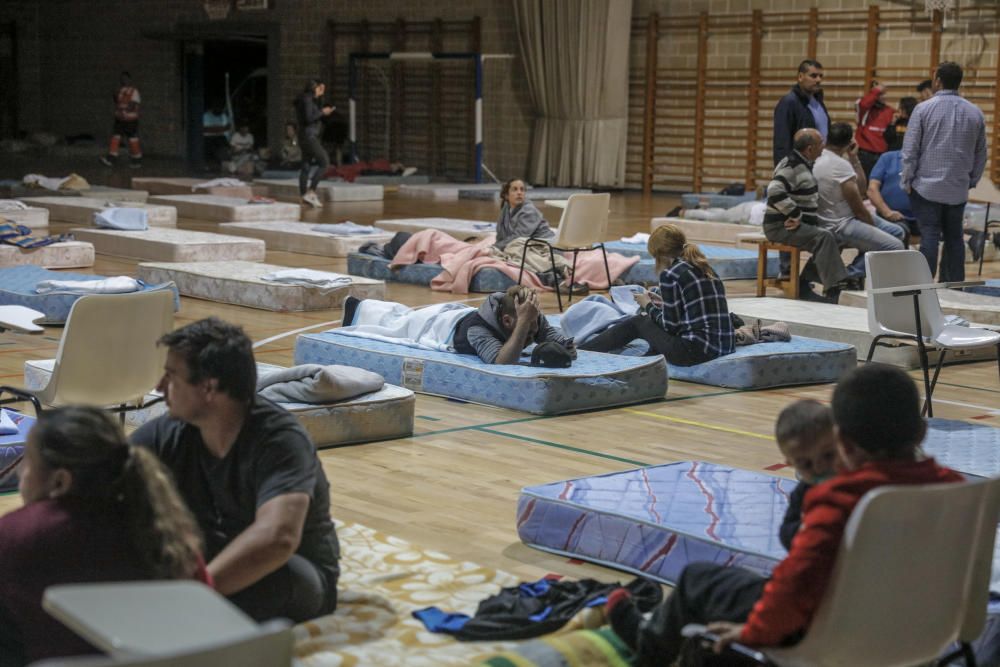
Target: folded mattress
(714, 199)
(339, 191)
(382, 415)
(492, 193)
(654, 521)
(594, 381)
(187, 186)
(975, 304)
(969, 448)
(81, 210)
(240, 283)
(12, 446)
(485, 280)
(17, 288)
(226, 209)
(709, 232)
(300, 237)
(63, 255)
(459, 228)
(728, 262)
(172, 245)
(32, 217)
(842, 324)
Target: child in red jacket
(876, 410)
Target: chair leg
(871, 349)
(762, 269)
(964, 650)
(986, 233)
(928, 409)
(524, 255)
(937, 371)
(572, 276)
(607, 269)
(555, 278)
(794, 273)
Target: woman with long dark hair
(95, 509)
(310, 115)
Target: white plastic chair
(108, 354)
(902, 587)
(583, 227)
(903, 303)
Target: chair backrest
(981, 573)
(108, 353)
(899, 589)
(584, 221)
(270, 645)
(894, 314)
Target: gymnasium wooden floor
(453, 486)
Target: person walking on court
(310, 115)
(126, 123)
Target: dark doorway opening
(8, 81)
(245, 62)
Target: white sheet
(113, 285)
(430, 328)
(7, 425)
(307, 277)
(122, 218)
(640, 237)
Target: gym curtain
(575, 54)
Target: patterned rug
(383, 579)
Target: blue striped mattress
(655, 520)
(968, 447)
(12, 446)
(17, 288)
(595, 380)
(485, 280)
(991, 288)
(728, 262)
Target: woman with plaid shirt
(688, 322)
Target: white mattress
(972, 307)
(842, 324)
(81, 210)
(105, 193)
(339, 191)
(704, 231)
(300, 237)
(381, 415)
(31, 217)
(186, 186)
(172, 245)
(226, 209)
(65, 255)
(459, 228)
(239, 283)
(443, 191)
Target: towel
(640, 237)
(7, 425)
(430, 328)
(114, 285)
(308, 278)
(346, 228)
(313, 383)
(123, 218)
(218, 183)
(12, 205)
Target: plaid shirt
(694, 308)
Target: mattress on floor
(382, 415)
(971, 305)
(378, 268)
(394, 180)
(122, 195)
(594, 381)
(63, 255)
(300, 237)
(187, 186)
(17, 288)
(12, 446)
(844, 324)
(711, 232)
(714, 199)
(81, 210)
(492, 193)
(226, 209)
(461, 229)
(653, 521)
(327, 190)
(991, 288)
(444, 191)
(172, 245)
(729, 263)
(969, 448)
(240, 283)
(32, 217)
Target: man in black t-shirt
(250, 475)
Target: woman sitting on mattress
(521, 220)
(95, 510)
(688, 322)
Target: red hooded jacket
(873, 119)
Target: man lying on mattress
(498, 331)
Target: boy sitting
(876, 410)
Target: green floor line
(473, 427)
(569, 448)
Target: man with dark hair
(841, 180)
(943, 157)
(792, 199)
(801, 107)
(925, 90)
(250, 475)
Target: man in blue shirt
(943, 157)
(886, 194)
(802, 107)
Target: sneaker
(806, 293)
(108, 160)
(311, 199)
(409, 171)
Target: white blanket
(7, 425)
(12, 205)
(218, 183)
(123, 218)
(308, 278)
(47, 182)
(114, 285)
(640, 237)
(430, 328)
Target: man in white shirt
(841, 180)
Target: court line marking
(569, 448)
(698, 424)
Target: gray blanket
(313, 383)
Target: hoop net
(217, 9)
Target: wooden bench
(789, 285)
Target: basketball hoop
(944, 6)
(219, 9)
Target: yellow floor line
(692, 422)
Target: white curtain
(575, 53)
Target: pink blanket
(461, 261)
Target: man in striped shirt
(792, 199)
(943, 157)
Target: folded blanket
(346, 228)
(20, 236)
(313, 383)
(12, 205)
(219, 183)
(430, 328)
(307, 278)
(7, 425)
(124, 218)
(749, 334)
(640, 237)
(114, 285)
